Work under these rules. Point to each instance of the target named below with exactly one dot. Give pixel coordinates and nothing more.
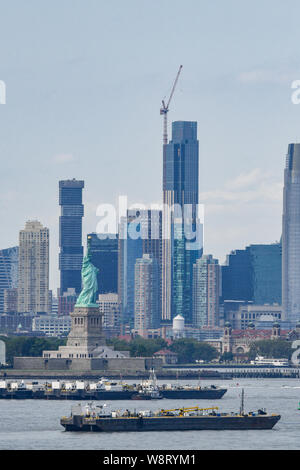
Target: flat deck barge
(101, 390)
(88, 419)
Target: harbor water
(35, 424)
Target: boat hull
(166, 423)
(204, 394)
(210, 394)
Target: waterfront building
(33, 283)
(146, 307)
(70, 234)
(167, 357)
(180, 192)
(238, 342)
(104, 255)
(206, 292)
(9, 259)
(291, 235)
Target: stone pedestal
(86, 329)
(86, 340)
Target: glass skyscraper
(253, 274)
(139, 233)
(237, 276)
(267, 279)
(130, 249)
(9, 262)
(181, 196)
(70, 234)
(291, 236)
(104, 255)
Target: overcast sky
(85, 80)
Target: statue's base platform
(125, 365)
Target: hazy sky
(85, 80)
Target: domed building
(238, 342)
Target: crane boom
(174, 86)
(165, 108)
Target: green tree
(189, 350)
(138, 346)
(226, 357)
(276, 348)
(29, 346)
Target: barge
(105, 390)
(91, 418)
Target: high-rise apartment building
(9, 259)
(180, 188)
(70, 234)
(104, 255)
(33, 284)
(206, 292)
(146, 294)
(109, 307)
(291, 236)
(10, 301)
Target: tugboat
(179, 392)
(91, 418)
(148, 390)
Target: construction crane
(165, 109)
(192, 408)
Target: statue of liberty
(88, 294)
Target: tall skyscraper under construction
(181, 197)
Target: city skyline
(237, 100)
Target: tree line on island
(188, 350)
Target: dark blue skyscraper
(181, 188)
(181, 165)
(70, 234)
(9, 262)
(253, 274)
(130, 249)
(104, 252)
(139, 234)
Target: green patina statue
(88, 295)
